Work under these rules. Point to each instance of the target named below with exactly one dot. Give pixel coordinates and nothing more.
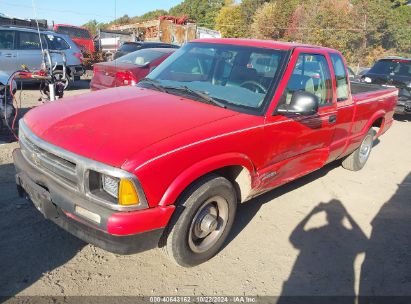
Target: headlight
(110, 185)
(122, 189)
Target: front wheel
(357, 159)
(198, 231)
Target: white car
(22, 47)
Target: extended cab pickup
(165, 163)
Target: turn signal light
(127, 194)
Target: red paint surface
(169, 141)
(104, 75)
(139, 221)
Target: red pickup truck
(165, 163)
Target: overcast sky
(77, 12)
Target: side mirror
(302, 103)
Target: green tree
(248, 9)
(329, 23)
(265, 25)
(93, 26)
(272, 19)
(152, 15)
(203, 12)
(399, 29)
(230, 23)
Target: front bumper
(403, 106)
(117, 232)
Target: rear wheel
(357, 159)
(58, 75)
(202, 221)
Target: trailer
(168, 29)
(30, 23)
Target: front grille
(61, 168)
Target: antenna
(37, 23)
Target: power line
(57, 10)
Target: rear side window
(129, 47)
(340, 77)
(311, 74)
(395, 67)
(56, 43)
(29, 41)
(141, 57)
(7, 40)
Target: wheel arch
(377, 121)
(237, 168)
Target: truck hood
(113, 124)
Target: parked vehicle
(21, 47)
(7, 109)
(128, 47)
(128, 69)
(393, 72)
(220, 121)
(80, 36)
(107, 42)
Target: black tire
(357, 159)
(59, 75)
(196, 206)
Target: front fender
(201, 168)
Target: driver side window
(311, 74)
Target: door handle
(332, 118)
(8, 55)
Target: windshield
(56, 43)
(74, 32)
(235, 76)
(395, 67)
(142, 57)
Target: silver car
(21, 47)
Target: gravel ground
(334, 232)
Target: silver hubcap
(208, 224)
(365, 149)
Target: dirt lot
(363, 245)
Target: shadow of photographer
(325, 264)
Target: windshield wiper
(203, 96)
(156, 84)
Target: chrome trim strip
(83, 167)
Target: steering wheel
(253, 86)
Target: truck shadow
(31, 247)
(403, 117)
(325, 263)
(386, 270)
(247, 211)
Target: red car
(165, 163)
(80, 36)
(128, 69)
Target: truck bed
(363, 91)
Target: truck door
(345, 107)
(29, 50)
(7, 51)
(297, 144)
